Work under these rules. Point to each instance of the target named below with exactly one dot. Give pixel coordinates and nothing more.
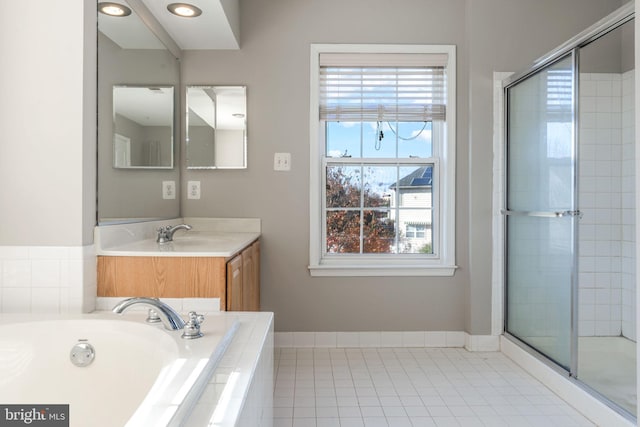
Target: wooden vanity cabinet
(243, 280)
(236, 281)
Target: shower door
(541, 210)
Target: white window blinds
(382, 87)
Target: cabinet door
(255, 285)
(234, 284)
(251, 278)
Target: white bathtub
(142, 375)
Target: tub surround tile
(240, 392)
(49, 279)
(16, 300)
(16, 273)
(181, 305)
(45, 300)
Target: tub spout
(169, 317)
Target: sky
(358, 139)
(361, 139)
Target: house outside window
(417, 231)
(382, 160)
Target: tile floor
(399, 387)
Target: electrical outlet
(193, 190)
(168, 190)
(282, 162)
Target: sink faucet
(165, 234)
(169, 317)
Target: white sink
(207, 238)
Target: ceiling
(217, 106)
(216, 28)
(147, 106)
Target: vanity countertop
(206, 239)
(190, 244)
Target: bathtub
(142, 375)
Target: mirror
(216, 127)
(143, 127)
(131, 57)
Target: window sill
(356, 270)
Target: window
(382, 169)
(416, 231)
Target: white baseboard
(434, 339)
(482, 342)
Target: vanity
(217, 258)
(147, 139)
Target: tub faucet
(165, 234)
(169, 317)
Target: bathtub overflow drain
(82, 354)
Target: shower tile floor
(608, 365)
(399, 387)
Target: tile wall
(47, 279)
(606, 198)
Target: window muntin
(382, 216)
(367, 207)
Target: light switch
(282, 162)
(168, 190)
(193, 189)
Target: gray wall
(610, 54)
(491, 35)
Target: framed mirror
(143, 127)
(216, 133)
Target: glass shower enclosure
(569, 212)
(541, 214)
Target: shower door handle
(543, 214)
(577, 213)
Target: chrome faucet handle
(162, 234)
(192, 327)
(153, 317)
(195, 317)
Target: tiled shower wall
(606, 195)
(39, 279)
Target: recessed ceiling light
(238, 115)
(113, 9)
(184, 9)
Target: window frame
(441, 263)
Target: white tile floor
(399, 387)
